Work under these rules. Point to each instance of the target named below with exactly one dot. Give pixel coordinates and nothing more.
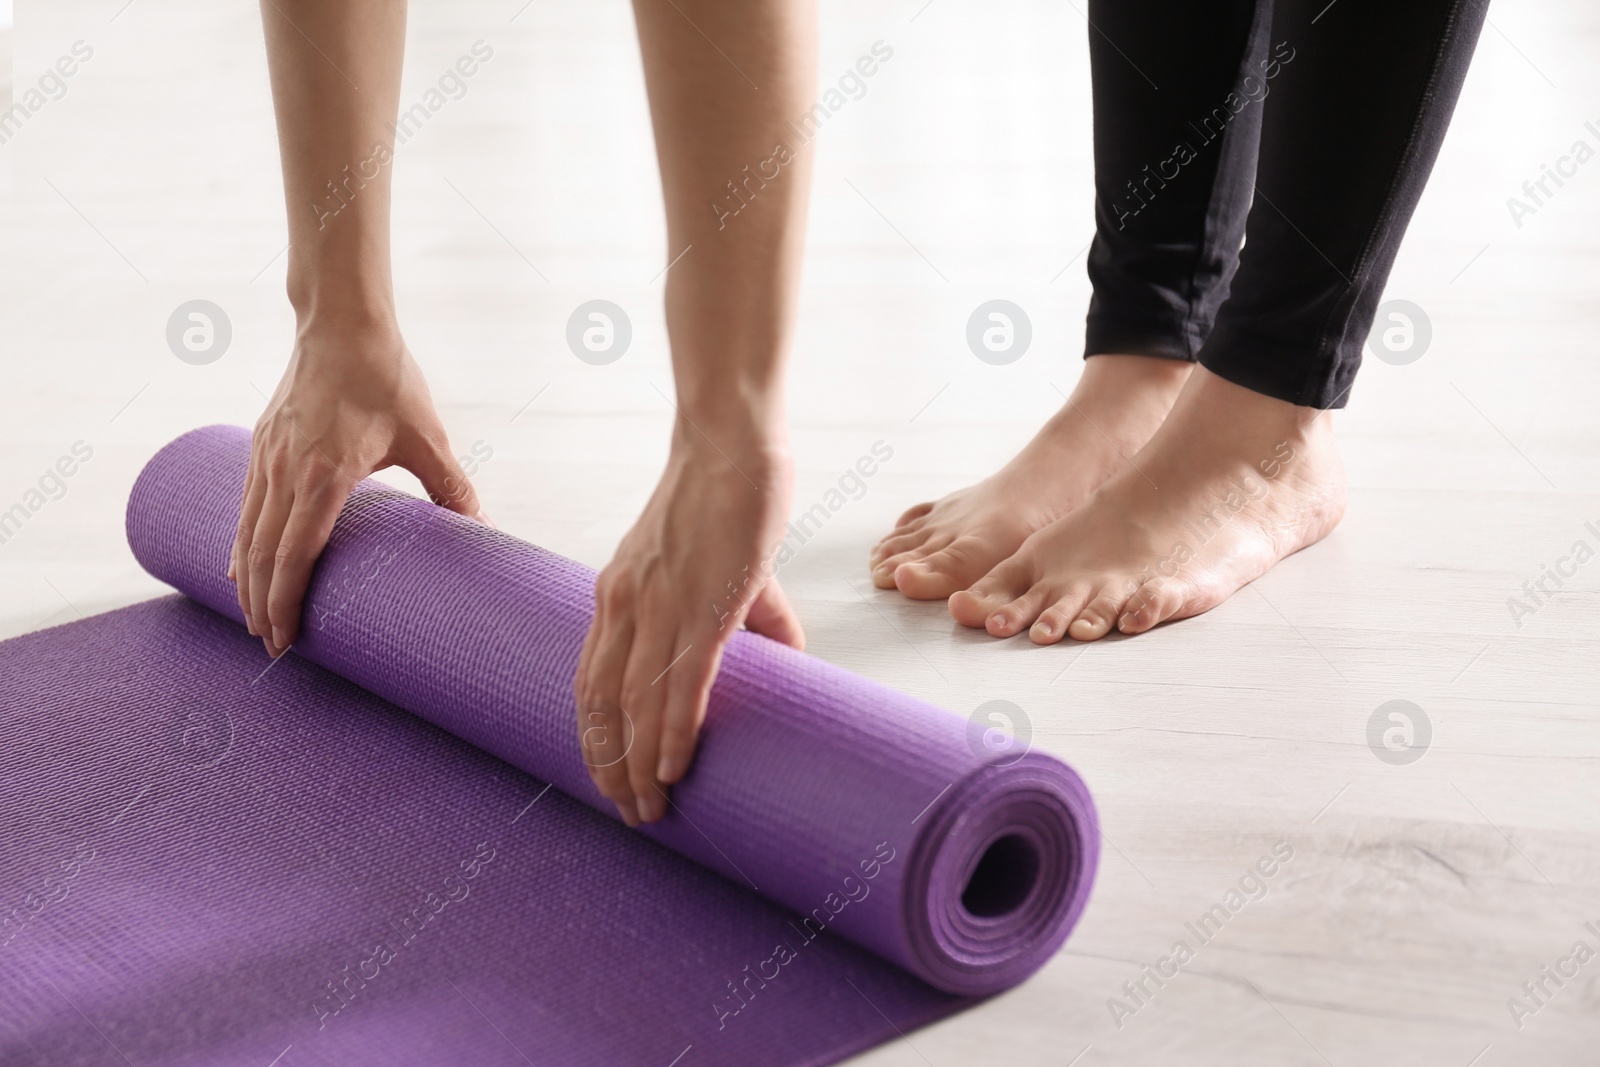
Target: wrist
(341, 282)
(741, 416)
(756, 444)
(348, 339)
(343, 315)
(343, 300)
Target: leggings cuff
(1283, 372)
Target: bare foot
(1244, 480)
(939, 548)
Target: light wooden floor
(1419, 898)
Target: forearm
(335, 68)
(725, 81)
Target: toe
(1018, 615)
(1097, 617)
(949, 570)
(972, 607)
(893, 543)
(898, 541)
(1155, 602)
(1051, 625)
(1059, 609)
(913, 513)
(884, 569)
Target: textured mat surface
(209, 861)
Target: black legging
(1303, 129)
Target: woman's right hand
(351, 402)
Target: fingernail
(667, 770)
(250, 625)
(1045, 628)
(277, 638)
(483, 517)
(629, 815)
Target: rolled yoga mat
(214, 858)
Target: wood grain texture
(1418, 899)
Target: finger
(604, 730)
(249, 511)
(644, 696)
(771, 615)
(688, 689)
(442, 477)
(259, 562)
(305, 534)
(586, 690)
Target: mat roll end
(1003, 866)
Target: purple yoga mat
(384, 848)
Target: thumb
(442, 477)
(771, 616)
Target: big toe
(950, 570)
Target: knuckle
(595, 708)
(635, 697)
(611, 591)
(258, 556)
(314, 476)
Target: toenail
(1045, 628)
